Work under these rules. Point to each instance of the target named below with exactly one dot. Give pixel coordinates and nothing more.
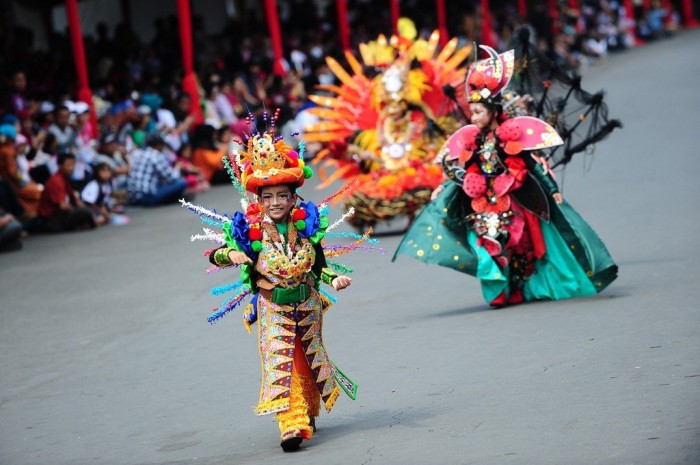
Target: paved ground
(106, 356)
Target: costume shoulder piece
(267, 160)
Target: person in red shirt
(60, 207)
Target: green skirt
(575, 264)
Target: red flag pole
(554, 14)
(486, 29)
(395, 16)
(343, 26)
(273, 25)
(442, 21)
(189, 80)
(669, 11)
(76, 36)
(689, 20)
(522, 8)
(631, 23)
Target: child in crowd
(97, 194)
(196, 181)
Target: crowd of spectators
(60, 172)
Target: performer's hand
(436, 192)
(558, 198)
(341, 282)
(238, 258)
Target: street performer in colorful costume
(500, 216)
(381, 133)
(280, 249)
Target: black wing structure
(580, 117)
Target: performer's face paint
(482, 117)
(277, 201)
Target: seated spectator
(43, 162)
(66, 135)
(111, 153)
(61, 208)
(196, 182)
(136, 129)
(152, 181)
(97, 194)
(26, 189)
(207, 155)
(85, 146)
(10, 232)
(9, 201)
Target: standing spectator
(152, 181)
(61, 209)
(66, 135)
(18, 104)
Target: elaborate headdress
(269, 161)
(487, 78)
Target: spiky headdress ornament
(269, 161)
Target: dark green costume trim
(439, 236)
(328, 275)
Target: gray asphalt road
(106, 356)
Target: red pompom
(255, 234)
(299, 214)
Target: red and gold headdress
(487, 78)
(269, 161)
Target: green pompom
(256, 246)
(301, 225)
(308, 172)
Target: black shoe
(312, 422)
(291, 444)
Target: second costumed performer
(500, 217)
(278, 245)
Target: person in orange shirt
(207, 154)
(28, 192)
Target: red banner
(395, 16)
(343, 24)
(189, 80)
(84, 94)
(273, 25)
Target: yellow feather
(366, 54)
(433, 42)
(327, 113)
(354, 64)
(348, 94)
(459, 56)
(368, 140)
(326, 136)
(337, 174)
(343, 75)
(324, 101)
(447, 51)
